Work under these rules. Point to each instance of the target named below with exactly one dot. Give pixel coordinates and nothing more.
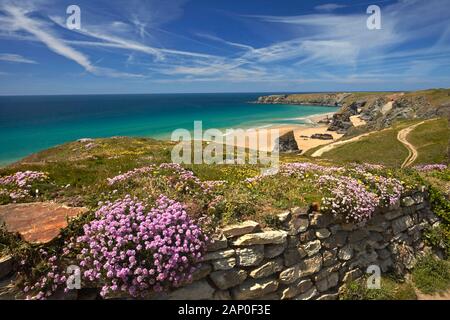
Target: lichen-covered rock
(323, 233)
(267, 269)
(401, 224)
(217, 255)
(407, 202)
(254, 288)
(266, 237)
(274, 250)
(297, 224)
(329, 257)
(310, 294)
(304, 268)
(228, 278)
(250, 256)
(224, 264)
(217, 243)
(345, 253)
(352, 275)
(293, 256)
(311, 248)
(297, 288)
(328, 282)
(239, 229)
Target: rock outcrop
(38, 222)
(287, 143)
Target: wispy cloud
(16, 58)
(328, 7)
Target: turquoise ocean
(32, 123)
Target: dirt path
(331, 146)
(412, 152)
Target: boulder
(38, 222)
(322, 136)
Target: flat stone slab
(37, 222)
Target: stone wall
(311, 256)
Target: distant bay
(32, 123)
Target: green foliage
(391, 289)
(439, 237)
(431, 275)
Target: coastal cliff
(323, 99)
(369, 111)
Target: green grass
(380, 148)
(391, 289)
(431, 140)
(432, 275)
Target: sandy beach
(302, 132)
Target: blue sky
(146, 46)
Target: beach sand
(302, 133)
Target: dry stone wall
(311, 256)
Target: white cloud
(329, 7)
(16, 58)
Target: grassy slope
(431, 140)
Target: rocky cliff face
(377, 110)
(325, 99)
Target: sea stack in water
(286, 143)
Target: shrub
(133, 250)
(348, 198)
(126, 248)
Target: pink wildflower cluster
(130, 174)
(300, 168)
(430, 167)
(19, 185)
(389, 190)
(349, 198)
(131, 249)
(184, 180)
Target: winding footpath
(412, 151)
(331, 146)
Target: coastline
(302, 132)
